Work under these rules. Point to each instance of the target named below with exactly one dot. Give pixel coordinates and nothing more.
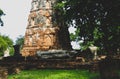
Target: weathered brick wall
(3, 73)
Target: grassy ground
(54, 74)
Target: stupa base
(56, 54)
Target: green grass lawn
(54, 74)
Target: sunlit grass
(54, 74)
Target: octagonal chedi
(44, 31)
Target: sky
(16, 18)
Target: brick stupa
(42, 32)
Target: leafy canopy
(20, 40)
(5, 42)
(97, 22)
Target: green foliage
(20, 40)
(1, 12)
(9, 43)
(60, 13)
(8, 40)
(97, 22)
(72, 36)
(11, 51)
(3, 46)
(60, 5)
(54, 74)
(75, 36)
(5, 42)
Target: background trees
(3, 46)
(97, 22)
(6, 42)
(20, 40)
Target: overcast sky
(15, 20)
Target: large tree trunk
(64, 38)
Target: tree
(20, 40)
(3, 46)
(6, 42)
(97, 21)
(1, 13)
(60, 20)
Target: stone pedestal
(94, 49)
(6, 53)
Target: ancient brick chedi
(43, 32)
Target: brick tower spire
(42, 31)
